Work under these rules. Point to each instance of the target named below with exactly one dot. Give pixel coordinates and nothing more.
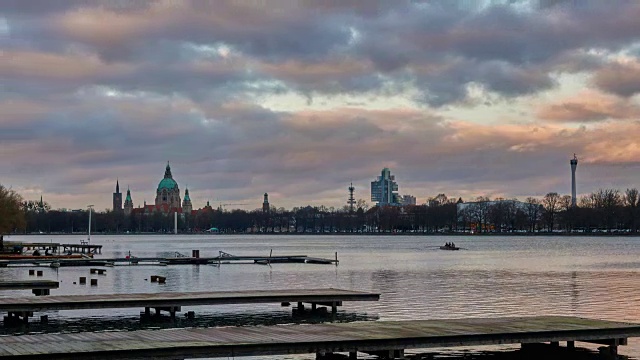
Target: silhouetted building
(117, 198)
(352, 201)
(186, 203)
(128, 203)
(265, 203)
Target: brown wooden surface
(104, 301)
(331, 337)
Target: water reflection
(592, 277)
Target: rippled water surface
(596, 277)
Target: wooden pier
(182, 260)
(388, 339)
(23, 308)
(37, 287)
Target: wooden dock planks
(331, 337)
(167, 299)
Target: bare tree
(533, 208)
(11, 214)
(551, 203)
(631, 201)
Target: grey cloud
(619, 79)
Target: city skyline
(487, 98)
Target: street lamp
(89, 233)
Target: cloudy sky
(299, 98)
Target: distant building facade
(168, 192)
(167, 199)
(384, 190)
(128, 203)
(408, 200)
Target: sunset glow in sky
(300, 98)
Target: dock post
(353, 355)
(313, 306)
(571, 345)
(300, 306)
(555, 344)
(147, 311)
(334, 307)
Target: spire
(117, 186)
(186, 195)
(128, 198)
(167, 172)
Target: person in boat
(36, 252)
(453, 245)
(46, 252)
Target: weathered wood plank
(166, 299)
(290, 339)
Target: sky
(300, 98)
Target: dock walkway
(385, 338)
(172, 301)
(184, 260)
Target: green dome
(167, 183)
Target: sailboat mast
(89, 232)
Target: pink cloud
(80, 68)
(589, 106)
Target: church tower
(117, 198)
(186, 203)
(265, 203)
(168, 193)
(128, 203)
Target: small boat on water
(449, 247)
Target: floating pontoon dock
(38, 287)
(23, 308)
(385, 338)
(182, 260)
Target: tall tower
(117, 198)
(574, 165)
(128, 203)
(351, 201)
(186, 203)
(265, 203)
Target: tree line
(605, 210)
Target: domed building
(168, 193)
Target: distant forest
(604, 211)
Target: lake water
(596, 277)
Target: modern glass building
(384, 189)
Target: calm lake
(596, 277)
